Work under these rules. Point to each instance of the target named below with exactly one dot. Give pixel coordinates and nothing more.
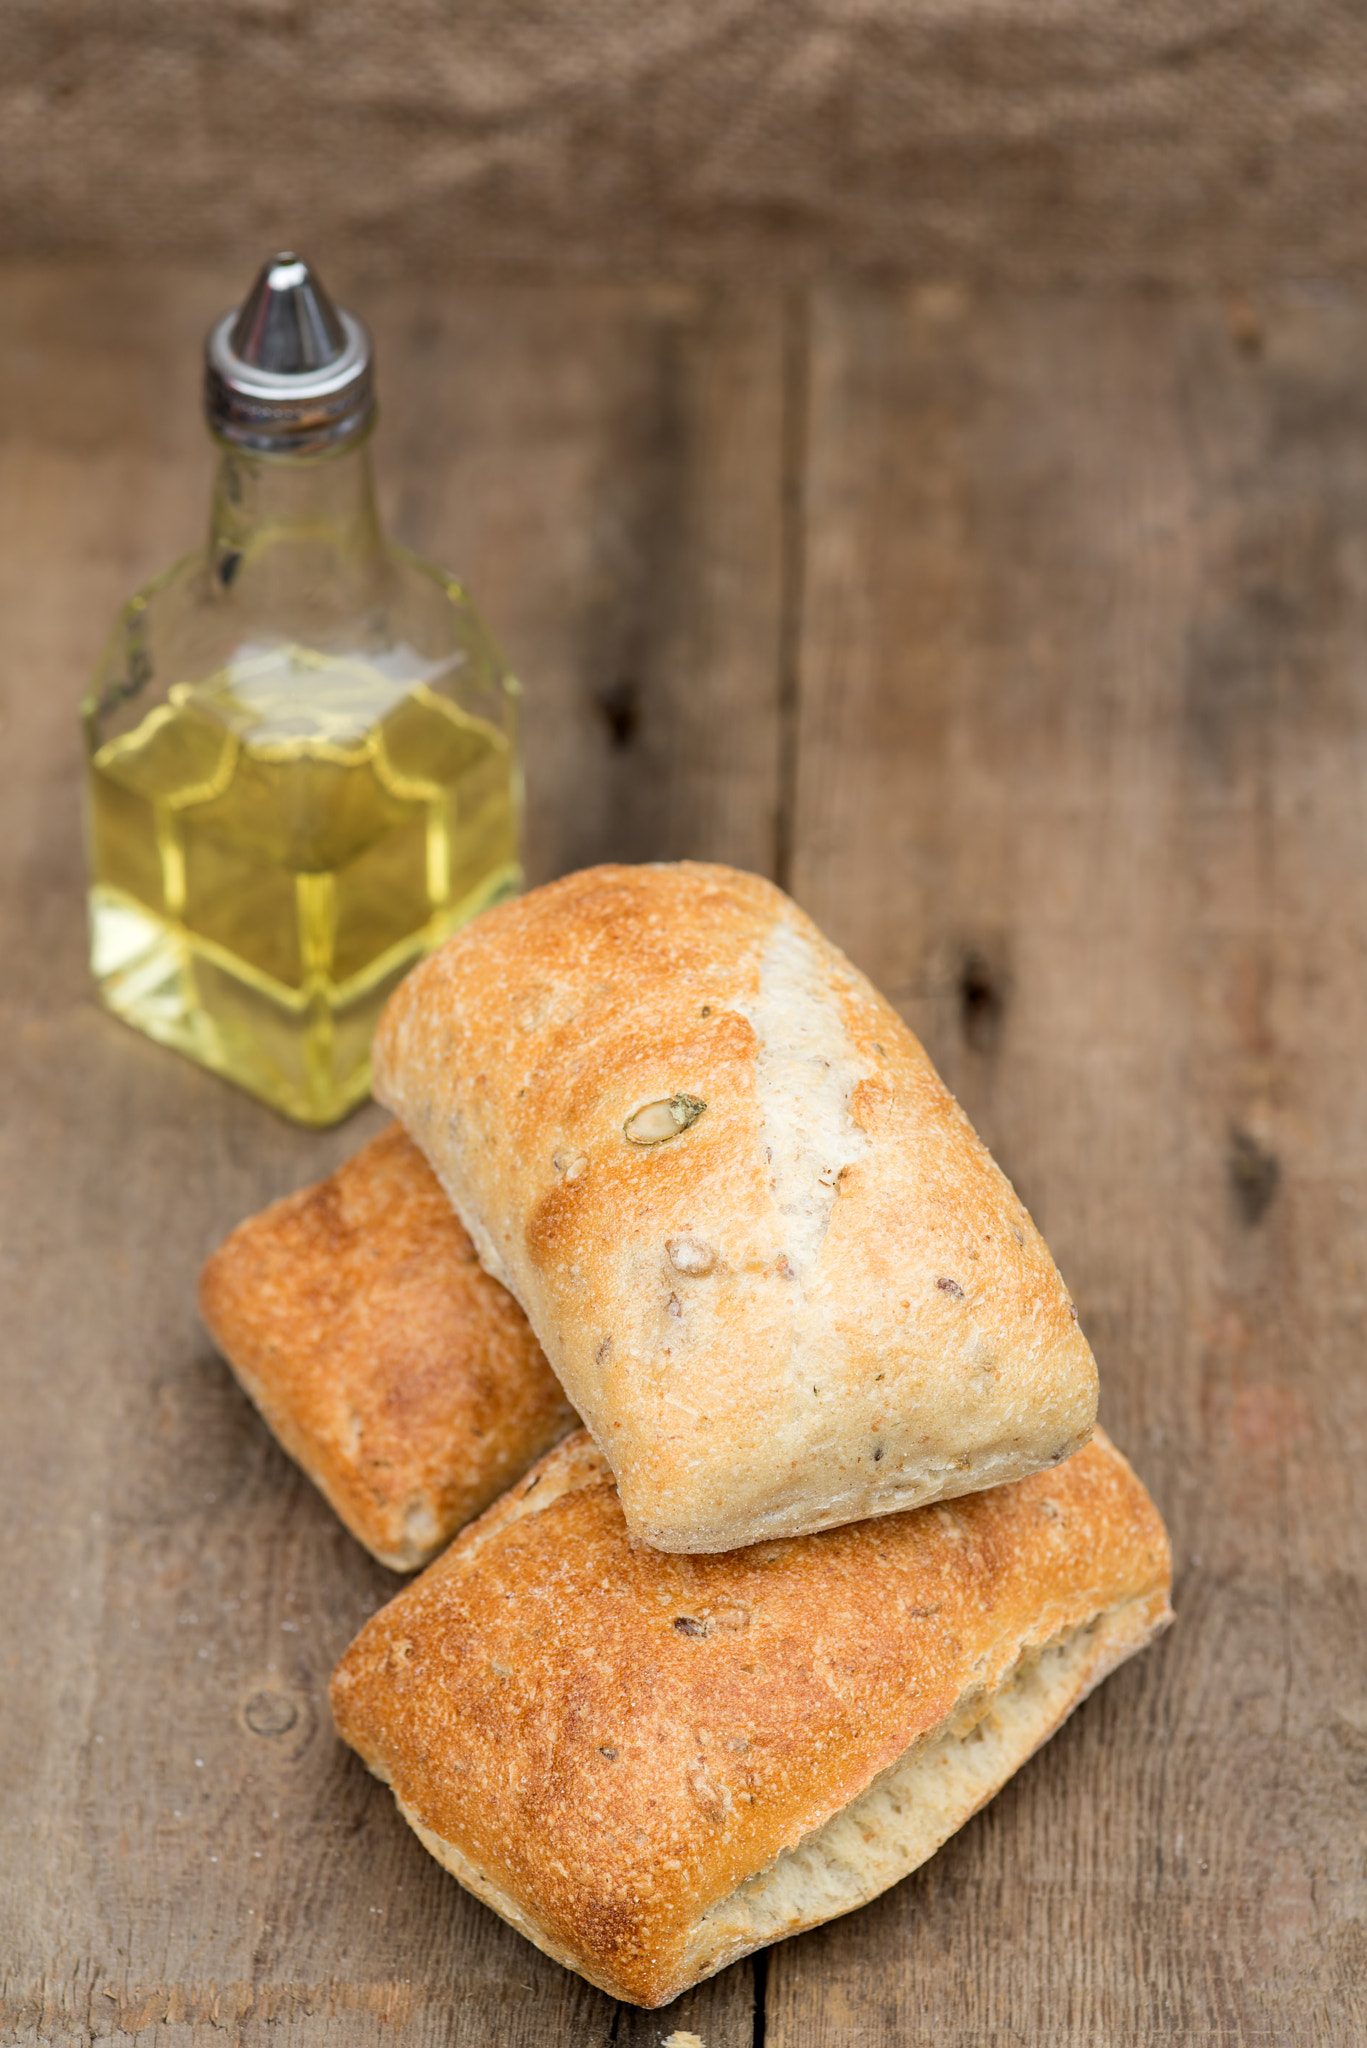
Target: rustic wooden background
(1026, 639)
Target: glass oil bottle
(302, 768)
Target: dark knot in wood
(1253, 1176)
(620, 706)
(270, 1713)
(983, 990)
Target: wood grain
(612, 493)
(188, 1854)
(1082, 753)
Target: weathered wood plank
(185, 1847)
(613, 498)
(1083, 748)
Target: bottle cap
(288, 373)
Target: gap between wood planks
(796, 397)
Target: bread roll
(391, 1367)
(650, 1765)
(775, 1270)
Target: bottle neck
(295, 542)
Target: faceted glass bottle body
(302, 775)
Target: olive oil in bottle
(301, 743)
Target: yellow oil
(273, 849)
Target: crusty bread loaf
(776, 1271)
(403, 1379)
(651, 1764)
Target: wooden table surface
(1026, 641)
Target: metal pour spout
(288, 372)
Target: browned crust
(611, 1739)
(404, 1380)
(917, 1345)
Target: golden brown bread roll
(403, 1379)
(652, 1764)
(768, 1258)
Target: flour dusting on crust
(803, 1071)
